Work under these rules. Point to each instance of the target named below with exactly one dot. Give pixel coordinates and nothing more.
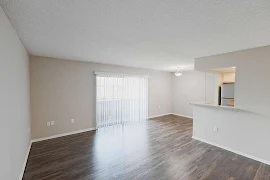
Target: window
(121, 99)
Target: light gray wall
(252, 76)
(192, 86)
(14, 103)
(245, 131)
(62, 90)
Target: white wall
(252, 76)
(192, 86)
(62, 90)
(241, 131)
(245, 131)
(14, 103)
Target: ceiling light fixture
(178, 72)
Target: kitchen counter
(211, 105)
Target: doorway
(120, 99)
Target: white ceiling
(155, 34)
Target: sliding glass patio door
(120, 99)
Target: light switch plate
(52, 123)
(49, 123)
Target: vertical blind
(121, 99)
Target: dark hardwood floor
(160, 148)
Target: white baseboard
(64, 134)
(159, 115)
(190, 117)
(25, 161)
(234, 151)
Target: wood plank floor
(160, 148)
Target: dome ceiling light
(178, 72)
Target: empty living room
(135, 90)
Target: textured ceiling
(156, 34)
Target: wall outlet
(29, 130)
(215, 128)
(52, 123)
(49, 123)
(159, 106)
(72, 120)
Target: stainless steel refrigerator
(227, 94)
